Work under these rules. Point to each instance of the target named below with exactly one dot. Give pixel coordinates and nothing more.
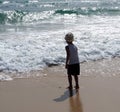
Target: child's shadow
(67, 94)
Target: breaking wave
(26, 17)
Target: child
(72, 61)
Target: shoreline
(102, 68)
(99, 91)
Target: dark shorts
(73, 69)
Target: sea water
(32, 32)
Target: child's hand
(66, 66)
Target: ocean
(32, 32)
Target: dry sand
(99, 90)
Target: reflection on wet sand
(75, 102)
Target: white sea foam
(5, 78)
(25, 51)
(6, 2)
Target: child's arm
(67, 56)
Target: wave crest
(26, 17)
(90, 11)
(11, 17)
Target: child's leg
(76, 81)
(70, 81)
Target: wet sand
(99, 90)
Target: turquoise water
(15, 11)
(32, 31)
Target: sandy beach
(33, 49)
(99, 90)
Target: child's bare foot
(76, 87)
(69, 87)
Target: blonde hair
(69, 37)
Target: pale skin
(66, 66)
